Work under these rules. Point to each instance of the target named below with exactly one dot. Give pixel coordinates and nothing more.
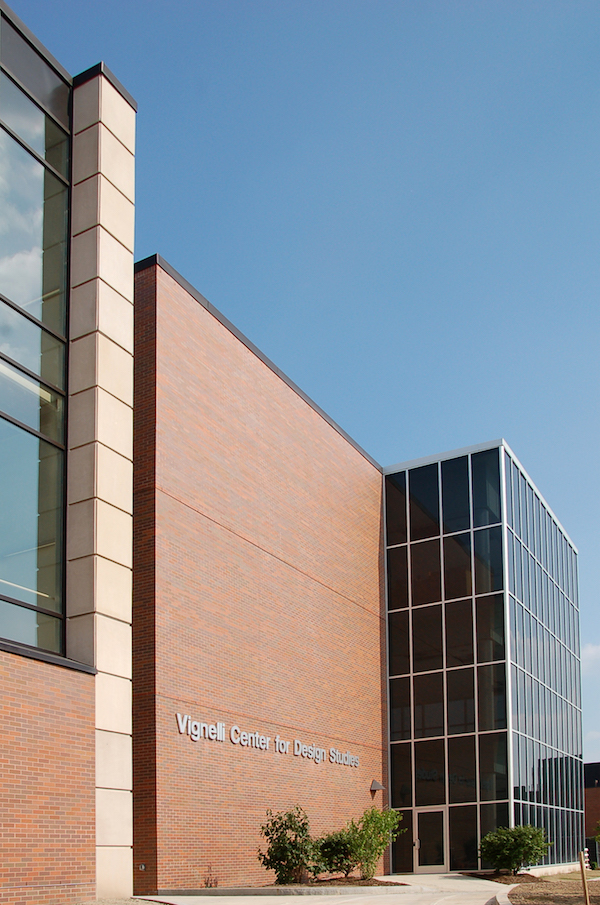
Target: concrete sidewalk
(420, 889)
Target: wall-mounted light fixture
(376, 786)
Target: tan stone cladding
(47, 808)
(257, 603)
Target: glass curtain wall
(448, 652)
(34, 203)
(545, 669)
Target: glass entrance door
(430, 845)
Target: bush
(511, 849)
(338, 852)
(289, 846)
(371, 835)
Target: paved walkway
(421, 889)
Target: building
(160, 474)
(591, 782)
(483, 643)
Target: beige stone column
(100, 448)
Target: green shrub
(511, 849)
(289, 845)
(370, 836)
(338, 852)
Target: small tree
(512, 848)
(370, 835)
(338, 852)
(289, 846)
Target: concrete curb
(289, 891)
(501, 898)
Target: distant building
(591, 782)
(196, 616)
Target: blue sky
(398, 202)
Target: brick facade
(257, 599)
(46, 783)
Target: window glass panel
(398, 643)
(401, 775)
(427, 639)
(424, 502)
(490, 628)
(395, 508)
(462, 783)
(24, 626)
(457, 566)
(493, 773)
(397, 576)
(488, 560)
(400, 709)
(491, 692)
(455, 494)
(33, 251)
(486, 487)
(402, 847)
(429, 705)
(493, 816)
(459, 633)
(32, 125)
(31, 539)
(426, 581)
(431, 836)
(463, 838)
(30, 346)
(32, 71)
(509, 496)
(429, 773)
(30, 402)
(461, 701)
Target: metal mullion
(31, 430)
(35, 100)
(33, 375)
(32, 318)
(31, 606)
(33, 153)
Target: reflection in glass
(400, 709)
(402, 847)
(25, 626)
(30, 346)
(461, 769)
(455, 494)
(31, 540)
(461, 701)
(429, 705)
(490, 628)
(459, 633)
(426, 580)
(493, 816)
(486, 487)
(463, 838)
(32, 125)
(401, 776)
(493, 771)
(33, 250)
(30, 402)
(488, 560)
(424, 502)
(457, 566)
(395, 508)
(427, 639)
(34, 73)
(431, 838)
(397, 575)
(491, 692)
(430, 787)
(398, 643)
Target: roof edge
(102, 69)
(35, 42)
(158, 261)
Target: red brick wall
(267, 602)
(47, 811)
(592, 810)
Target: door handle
(417, 843)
